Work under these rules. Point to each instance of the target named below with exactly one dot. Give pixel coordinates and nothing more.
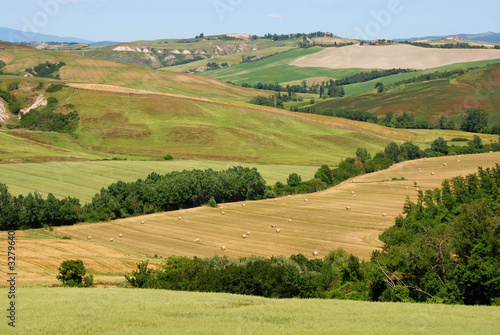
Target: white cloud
(276, 16)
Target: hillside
(87, 70)
(166, 53)
(478, 88)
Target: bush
(168, 157)
(293, 180)
(211, 202)
(72, 274)
(53, 88)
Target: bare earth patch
(4, 116)
(392, 56)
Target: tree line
(156, 193)
(46, 69)
(446, 249)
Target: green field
(84, 179)
(136, 311)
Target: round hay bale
(275, 199)
(278, 230)
(452, 157)
(491, 152)
(283, 204)
(242, 205)
(89, 237)
(197, 240)
(221, 208)
(384, 214)
(417, 189)
(406, 187)
(223, 213)
(460, 156)
(120, 235)
(347, 207)
(142, 222)
(352, 192)
(444, 164)
(432, 173)
(354, 195)
(315, 253)
(273, 226)
(248, 233)
(180, 218)
(289, 196)
(354, 180)
(289, 220)
(458, 160)
(111, 239)
(305, 200)
(223, 247)
(244, 236)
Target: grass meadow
(139, 311)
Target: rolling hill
(478, 88)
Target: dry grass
(393, 56)
(321, 224)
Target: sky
(131, 20)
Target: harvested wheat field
(321, 223)
(392, 56)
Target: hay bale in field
(273, 226)
(275, 199)
(242, 205)
(452, 157)
(444, 164)
(289, 220)
(352, 192)
(283, 204)
(89, 237)
(179, 218)
(278, 230)
(289, 196)
(384, 214)
(223, 213)
(458, 160)
(244, 236)
(305, 200)
(491, 152)
(354, 195)
(197, 240)
(120, 235)
(248, 233)
(406, 187)
(221, 208)
(142, 222)
(417, 189)
(432, 173)
(315, 253)
(354, 180)
(111, 239)
(223, 247)
(348, 207)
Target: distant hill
(16, 36)
(489, 37)
(103, 43)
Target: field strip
(392, 56)
(120, 89)
(322, 223)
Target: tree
(363, 155)
(72, 273)
(293, 180)
(474, 120)
(439, 145)
(380, 87)
(476, 142)
(410, 151)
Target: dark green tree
(293, 180)
(379, 87)
(72, 273)
(439, 145)
(474, 120)
(476, 142)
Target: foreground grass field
(135, 311)
(320, 224)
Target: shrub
(168, 157)
(211, 202)
(293, 180)
(53, 88)
(72, 274)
